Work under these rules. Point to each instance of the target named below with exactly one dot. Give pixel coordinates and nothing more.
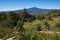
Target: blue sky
(6, 5)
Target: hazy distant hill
(34, 10)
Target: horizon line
(28, 8)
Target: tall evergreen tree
(24, 15)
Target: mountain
(34, 10)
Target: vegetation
(38, 36)
(27, 27)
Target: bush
(34, 35)
(57, 25)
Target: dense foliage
(23, 22)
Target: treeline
(22, 15)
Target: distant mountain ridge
(34, 10)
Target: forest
(25, 26)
